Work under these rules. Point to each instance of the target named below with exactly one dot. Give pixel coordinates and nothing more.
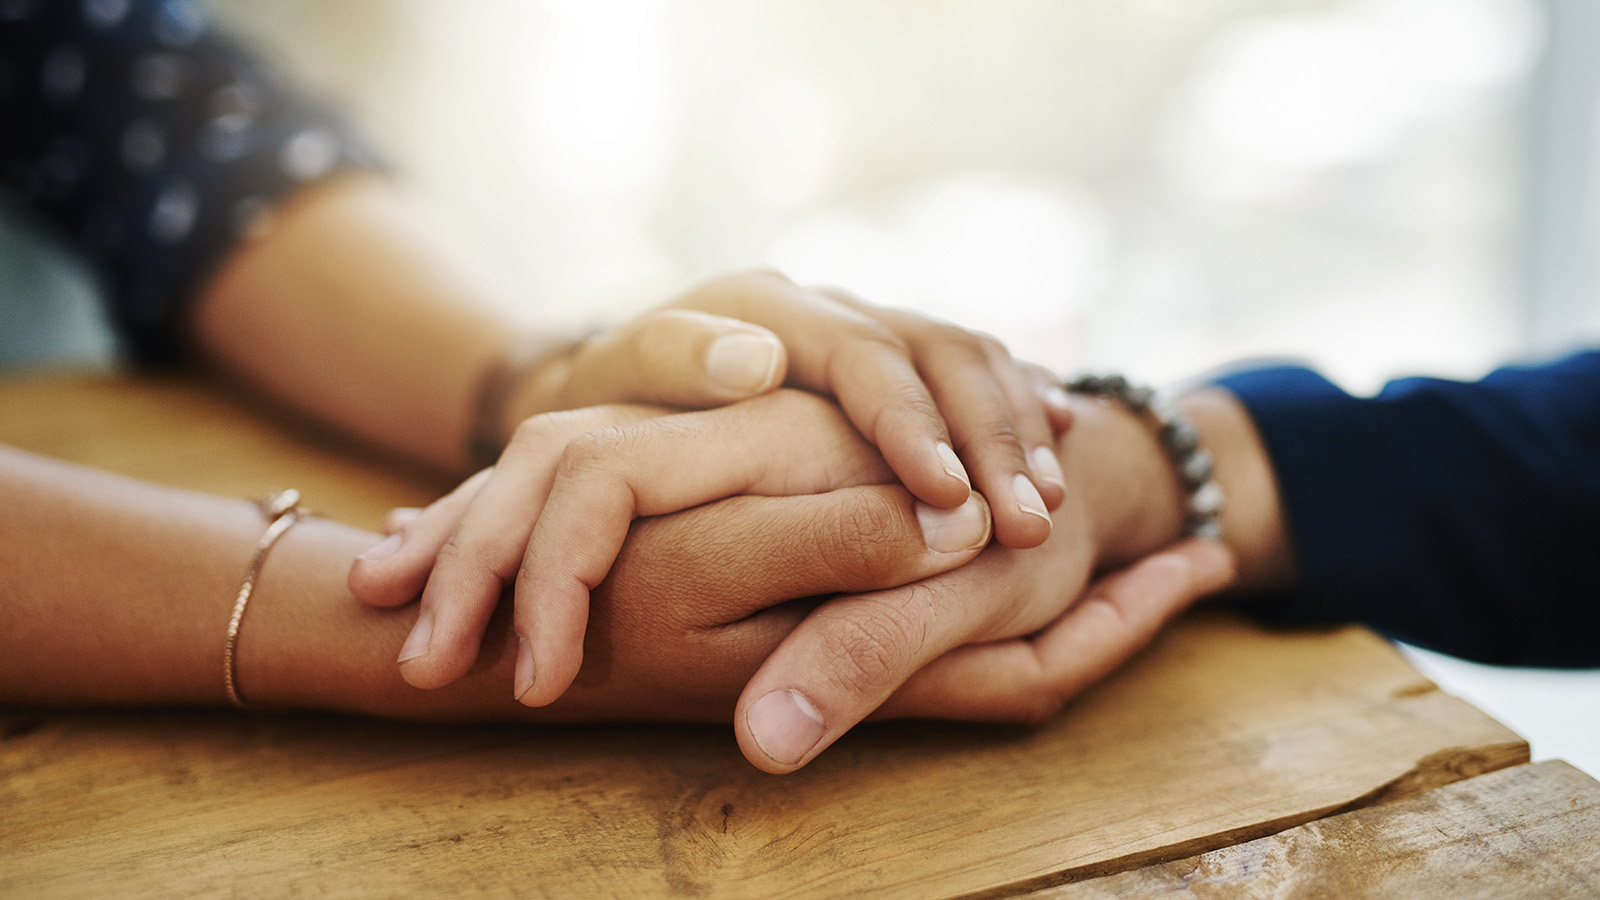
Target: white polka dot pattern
(153, 142)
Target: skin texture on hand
(692, 606)
(114, 591)
(1014, 634)
(351, 308)
(949, 409)
(100, 574)
(554, 529)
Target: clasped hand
(895, 622)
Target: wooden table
(1224, 761)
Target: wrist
(1133, 502)
(310, 644)
(523, 381)
(1253, 520)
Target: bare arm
(115, 591)
(352, 309)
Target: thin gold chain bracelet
(282, 511)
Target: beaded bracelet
(1179, 440)
(282, 511)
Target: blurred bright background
(1156, 186)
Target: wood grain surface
(205, 437)
(1220, 733)
(1525, 833)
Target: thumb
(676, 357)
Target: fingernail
(954, 530)
(952, 463)
(1046, 466)
(523, 682)
(382, 549)
(744, 363)
(785, 725)
(1028, 499)
(1057, 396)
(417, 642)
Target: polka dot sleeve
(155, 145)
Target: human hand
(938, 401)
(693, 604)
(958, 644)
(967, 644)
(874, 360)
(934, 398)
(674, 638)
(556, 532)
(1029, 679)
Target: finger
(777, 444)
(990, 436)
(677, 357)
(398, 518)
(1057, 402)
(699, 599)
(1028, 680)
(999, 428)
(852, 652)
(837, 350)
(1035, 428)
(393, 571)
(479, 557)
(725, 561)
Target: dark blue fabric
(153, 144)
(1462, 517)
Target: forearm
(118, 592)
(112, 590)
(351, 309)
(1253, 523)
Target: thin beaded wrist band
(282, 511)
(1179, 441)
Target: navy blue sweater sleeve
(153, 144)
(1463, 517)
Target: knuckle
(952, 334)
(991, 347)
(546, 432)
(538, 431)
(995, 435)
(906, 408)
(866, 341)
(860, 545)
(839, 295)
(463, 556)
(864, 647)
(589, 452)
